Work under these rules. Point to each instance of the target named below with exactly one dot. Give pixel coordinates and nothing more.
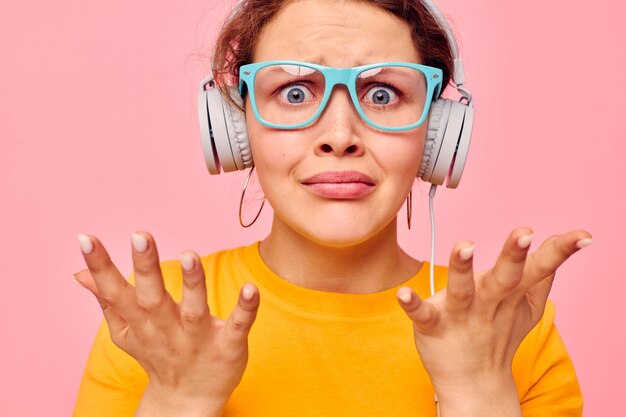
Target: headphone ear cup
(460, 158)
(237, 133)
(447, 142)
(206, 134)
(439, 113)
(223, 132)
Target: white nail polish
(140, 243)
(186, 262)
(583, 243)
(525, 241)
(85, 244)
(466, 253)
(247, 293)
(406, 297)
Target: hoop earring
(409, 208)
(245, 187)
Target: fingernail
(85, 244)
(247, 293)
(405, 296)
(187, 262)
(140, 243)
(583, 243)
(524, 241)
(466, 253)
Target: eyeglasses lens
(390, 96)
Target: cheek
(275, 154)
(274, 150)
(400, 155)
(262, 147)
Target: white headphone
(227, 148)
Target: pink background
(99, 136)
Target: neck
(371, 266)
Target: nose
(339, 126)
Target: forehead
(342, 33)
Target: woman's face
(336, 34)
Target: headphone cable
(431, 196)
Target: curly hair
(236, 41)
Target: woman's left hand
(468, 333)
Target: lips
(340, 185)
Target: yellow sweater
(322, 354)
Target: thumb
(84, 278)
(241, 319)
(422, 313)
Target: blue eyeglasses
(391, 96)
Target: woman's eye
(381, 95)
(296, 94)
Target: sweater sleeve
(553, 389)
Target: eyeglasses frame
(341, 76)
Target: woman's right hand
(193, 359)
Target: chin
(342, 234)
(338, 224)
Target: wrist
(484, 396)
(161, 402)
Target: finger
(241, 319)
(508, 270)
(537, 297)
(115, 322)
(194, 309)
(555, 250)
(461, 286)
(112, 288)
(151, 294)
(84, 278)
(535, 294)
(548, 241)
(422, 313)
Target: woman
(328, 310)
